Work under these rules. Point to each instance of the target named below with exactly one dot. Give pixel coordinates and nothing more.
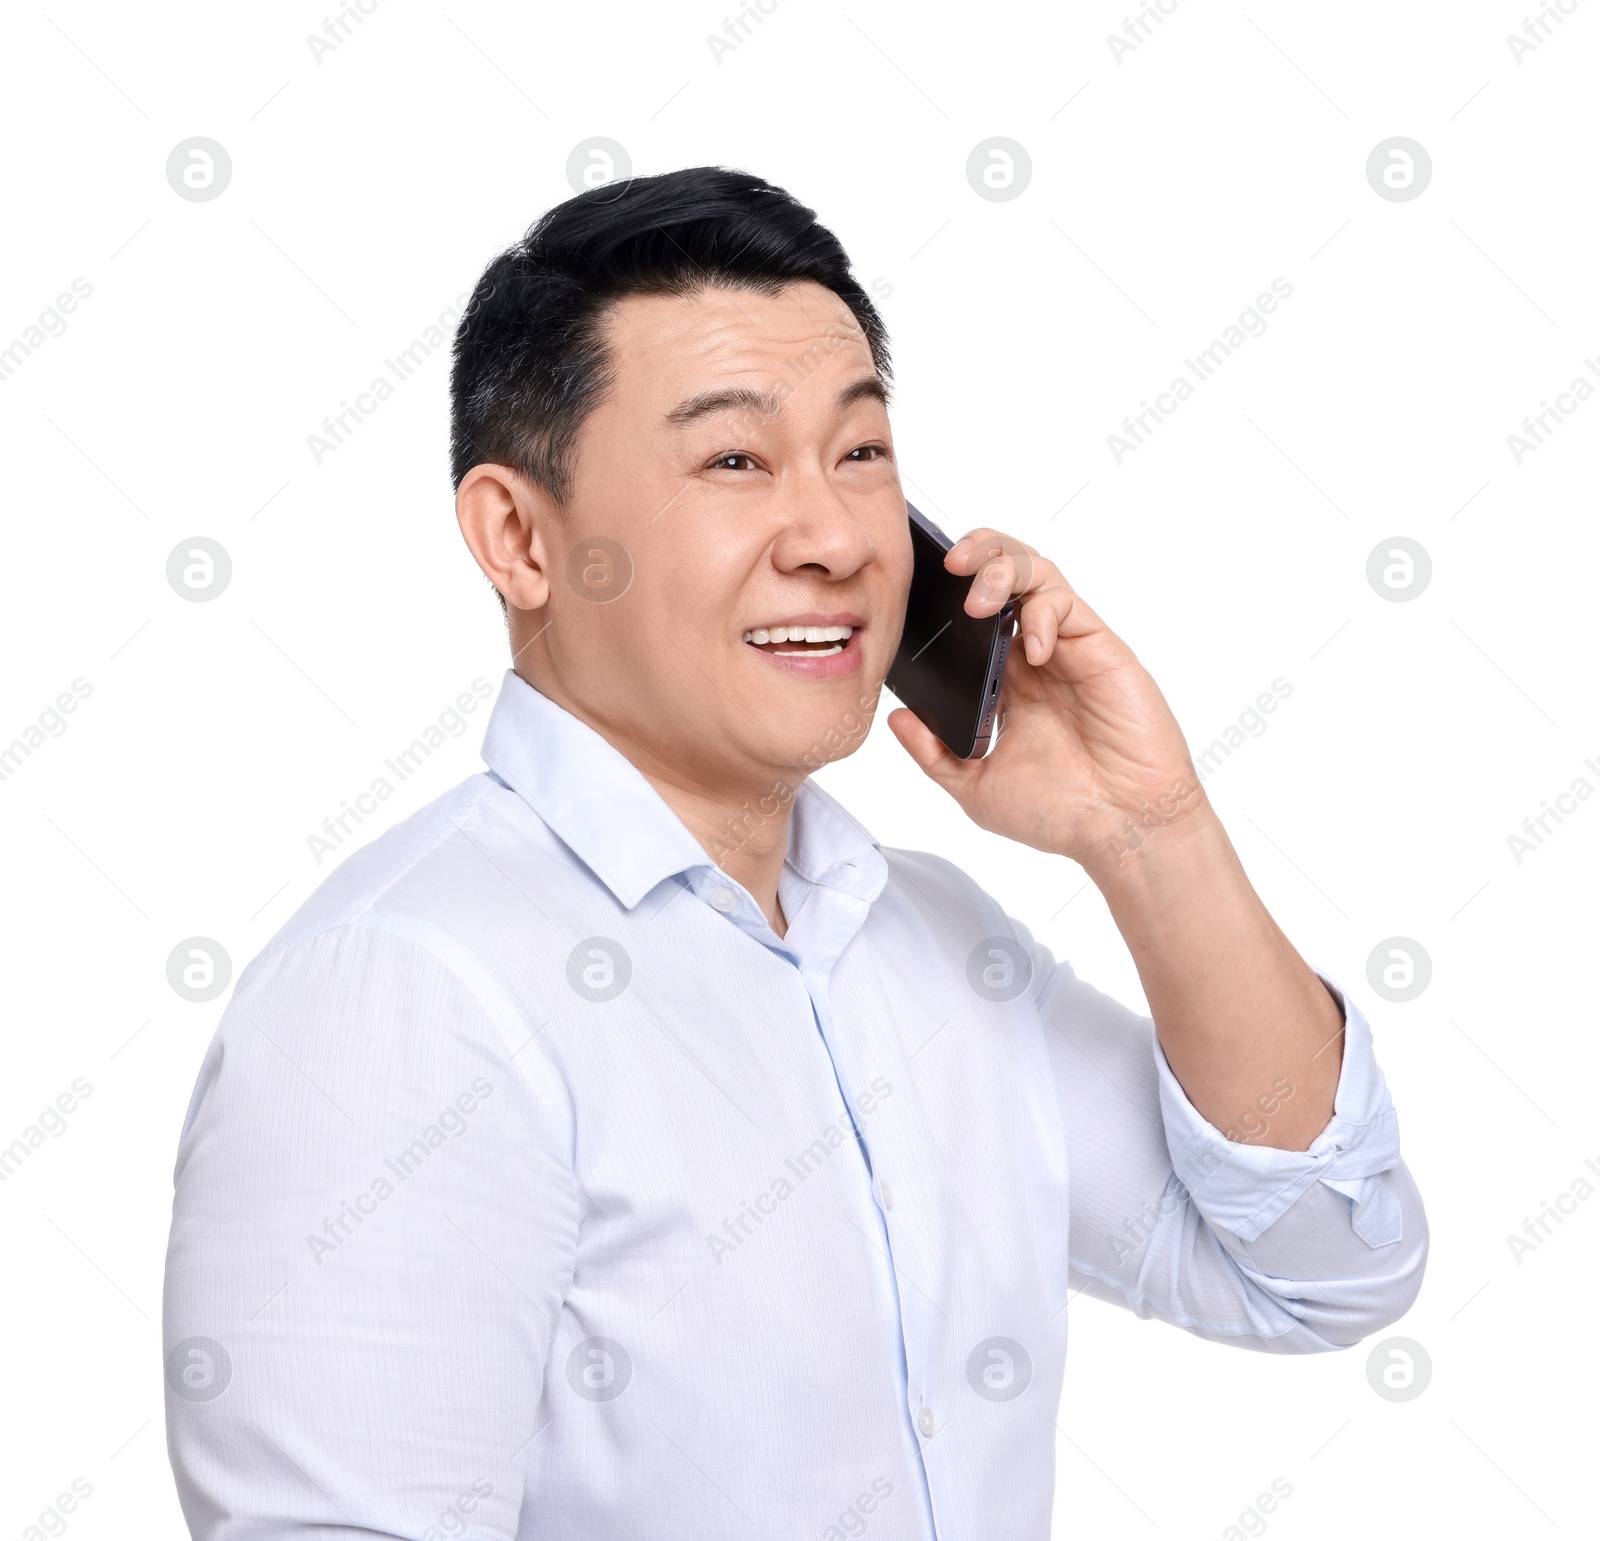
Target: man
(626, 1145)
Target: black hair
(530, 360)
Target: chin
(825, 736)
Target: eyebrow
(742, 398)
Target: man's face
(742, 466)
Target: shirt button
(888, 1195)
(725, 900)
(925, 1422)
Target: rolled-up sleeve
(359, 1299)
(1244, 1188)
(1291, 1251)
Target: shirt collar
(599, 803)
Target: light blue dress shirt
(533, 1187)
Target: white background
(369, 188)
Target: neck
(743, 828)
(748, 844)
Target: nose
(822, 533)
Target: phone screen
(950, 664)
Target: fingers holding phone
(1004, 568)
(1088, 737)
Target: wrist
(1161, 849)
(1159, 824)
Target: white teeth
(799, 634)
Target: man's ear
(506, 522)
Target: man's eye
(727, 462)
(862, 452)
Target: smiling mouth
(800, 641)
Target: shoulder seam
(476, 981)
(352, 913)
(427, 850)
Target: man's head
(670, 431)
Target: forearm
(1290, 1251)
(1249, 1030)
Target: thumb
(926, 748)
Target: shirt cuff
(1242, 1189)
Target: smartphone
(950, 665)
